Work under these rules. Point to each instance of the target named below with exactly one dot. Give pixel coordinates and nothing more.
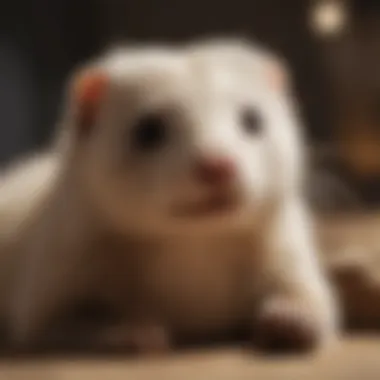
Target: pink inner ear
(89, 90)
(277, 76)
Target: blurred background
(333, 47)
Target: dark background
(41, 41)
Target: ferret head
(169, 138)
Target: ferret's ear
(277, 74)
(87, 91)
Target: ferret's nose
(214, 170)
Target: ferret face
(184, 140)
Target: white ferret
(173, 194)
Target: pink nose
(213, 170)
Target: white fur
(205, 272)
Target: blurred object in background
(352, 59)
(329, 18)
(40, 42)
(17, 99)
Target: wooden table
(356, 358)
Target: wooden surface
(353, 358)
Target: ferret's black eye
(150, 133)
(251, 121)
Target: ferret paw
(287, 325)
